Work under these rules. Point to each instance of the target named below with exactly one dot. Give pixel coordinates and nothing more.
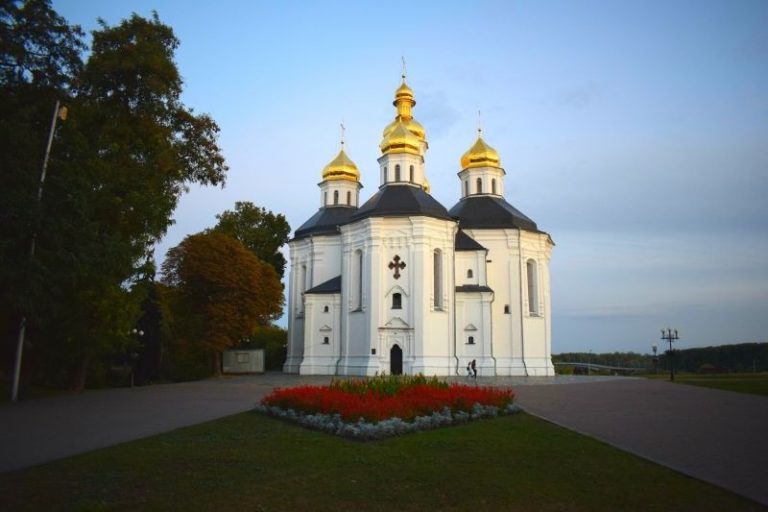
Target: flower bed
(386, 405)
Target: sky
(635, 133)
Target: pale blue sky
(635, 133)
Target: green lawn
(254, 463)
(753, 383)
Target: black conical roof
(488, 212)
(401, 201)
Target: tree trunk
(80, 374)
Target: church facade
(400, 284)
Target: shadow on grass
(252, 462)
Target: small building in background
(243, 361)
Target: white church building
(400, 284)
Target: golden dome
(400, 140)
(341, 168)
(480, 155)
(404, 93)
(412, 125)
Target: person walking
(469, 369)
(473, 365)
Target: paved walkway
(716, 436)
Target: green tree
(118, 166)
(220, 292)
(259, 230)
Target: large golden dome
(480, 155)
(341, 168)
(400, 140)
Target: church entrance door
(396, 360)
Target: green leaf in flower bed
(386, 384)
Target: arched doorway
(396, 360)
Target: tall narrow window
(357, 273)
(411, 177)
(397, 301)
(325, 198)
(469, 274)
(493, 186)
(479, 186)
(349, 197)
(438, 279)
(384, 174)
(397, 172)
(300, 289)
(506, 309)
(533, 285)
(335, 197)
(466, 188)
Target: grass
(255, 463)
(752, 383)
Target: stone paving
(716, 436)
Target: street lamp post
(670, 335)
(59, 112)
(655, 358)
(134, 354)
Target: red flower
(409, 401)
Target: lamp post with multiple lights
(670, 335)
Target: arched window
(466, 188)
(479, 185)
(533, 287)
(325, 309)
(335, 197)
(326, 341)
(437, 277)
(493, 186)
(397, 172)
(397, 301)
(411, 177)
(349, 197)
(506, 309)
(469, 274)
(471, 340)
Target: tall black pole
(670, 335)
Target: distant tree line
(742, 357)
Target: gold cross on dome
(397, 265)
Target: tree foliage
(220, 292)
(258, 229)
(118, 167)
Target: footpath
(712, 435)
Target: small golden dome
(341, 168)
(480, 155)
(427, 186)
(404, 93)
(400, 140)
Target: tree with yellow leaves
(219, 292)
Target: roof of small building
(330, 286)
(399, 201)
(325, 221)
(464, 242)
(488, 212)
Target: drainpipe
(453, 291)
(522, 303)
(490, 326)
(341, 304)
